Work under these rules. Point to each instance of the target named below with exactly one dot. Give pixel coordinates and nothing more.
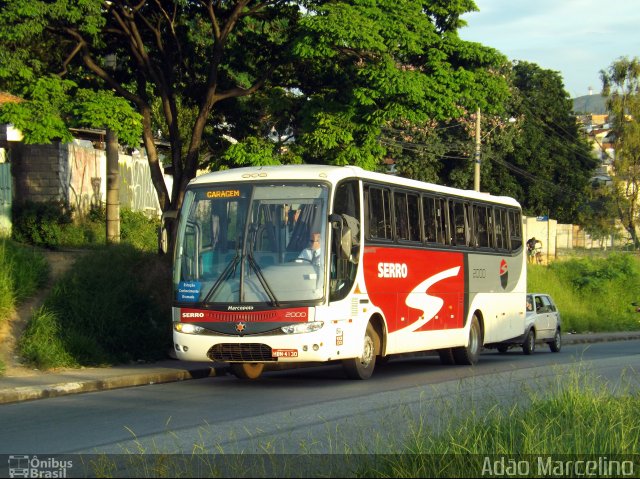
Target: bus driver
(312, 253)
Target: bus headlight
(298, 328)
(187, 328)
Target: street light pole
(476, 177)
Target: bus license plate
(284, 353)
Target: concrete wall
(76, 174)
(545, 230)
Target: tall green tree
(531, 147)
(321, 77)
(548, 164)
(621, 86)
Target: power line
(424, 148)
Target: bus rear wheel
(469, 355)
(362, 367)
(247, 370)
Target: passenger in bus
(312, 252)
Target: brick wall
(40, 173)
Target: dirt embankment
(12, 328)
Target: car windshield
(241, 244)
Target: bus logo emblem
(240, 327)
(504, 274)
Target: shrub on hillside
(40, 224)
(50, 225)
(22, 271)
(113, 307)
(593, 294)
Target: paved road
(31, 385)
(312, 410)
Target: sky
(576, 38)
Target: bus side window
(430, 224)
(435, 230)
(460, 233)
(346, 203)
(515, 229)
(500, 228)
(481, 219)
(442, 226)
(379, 213)
(413, 204)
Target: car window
(529, 302)
(539, 304)
(547, 304)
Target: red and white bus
(401, 266)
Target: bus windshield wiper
(228, 271)
(254, 265)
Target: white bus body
(406, 266)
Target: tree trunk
(113, 189)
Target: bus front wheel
(362, 367)
(247, 370)
(469, 355)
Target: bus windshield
(252, 243)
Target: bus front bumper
(319, 346)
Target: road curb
(142, 378)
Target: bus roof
(333, 174)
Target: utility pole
(113, 188)
(476, 176)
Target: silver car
(542, 325)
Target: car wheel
(529, 345)
(556, 344)
(362, 367)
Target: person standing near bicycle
(531, 248)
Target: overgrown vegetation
(559, 426)
(593, 294)
(22, 271)
(112, 307)
(52, 225)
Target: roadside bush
(22, 271)
(40, 224)
(51, 225)
(42, 343)
(139, 230)
(593, 294)
(113, 307)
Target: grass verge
(112, 307)
(22, 271)
(546, 430)
(583, 421)
(592, 294)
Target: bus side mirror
(163, 233)
(342, 232)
